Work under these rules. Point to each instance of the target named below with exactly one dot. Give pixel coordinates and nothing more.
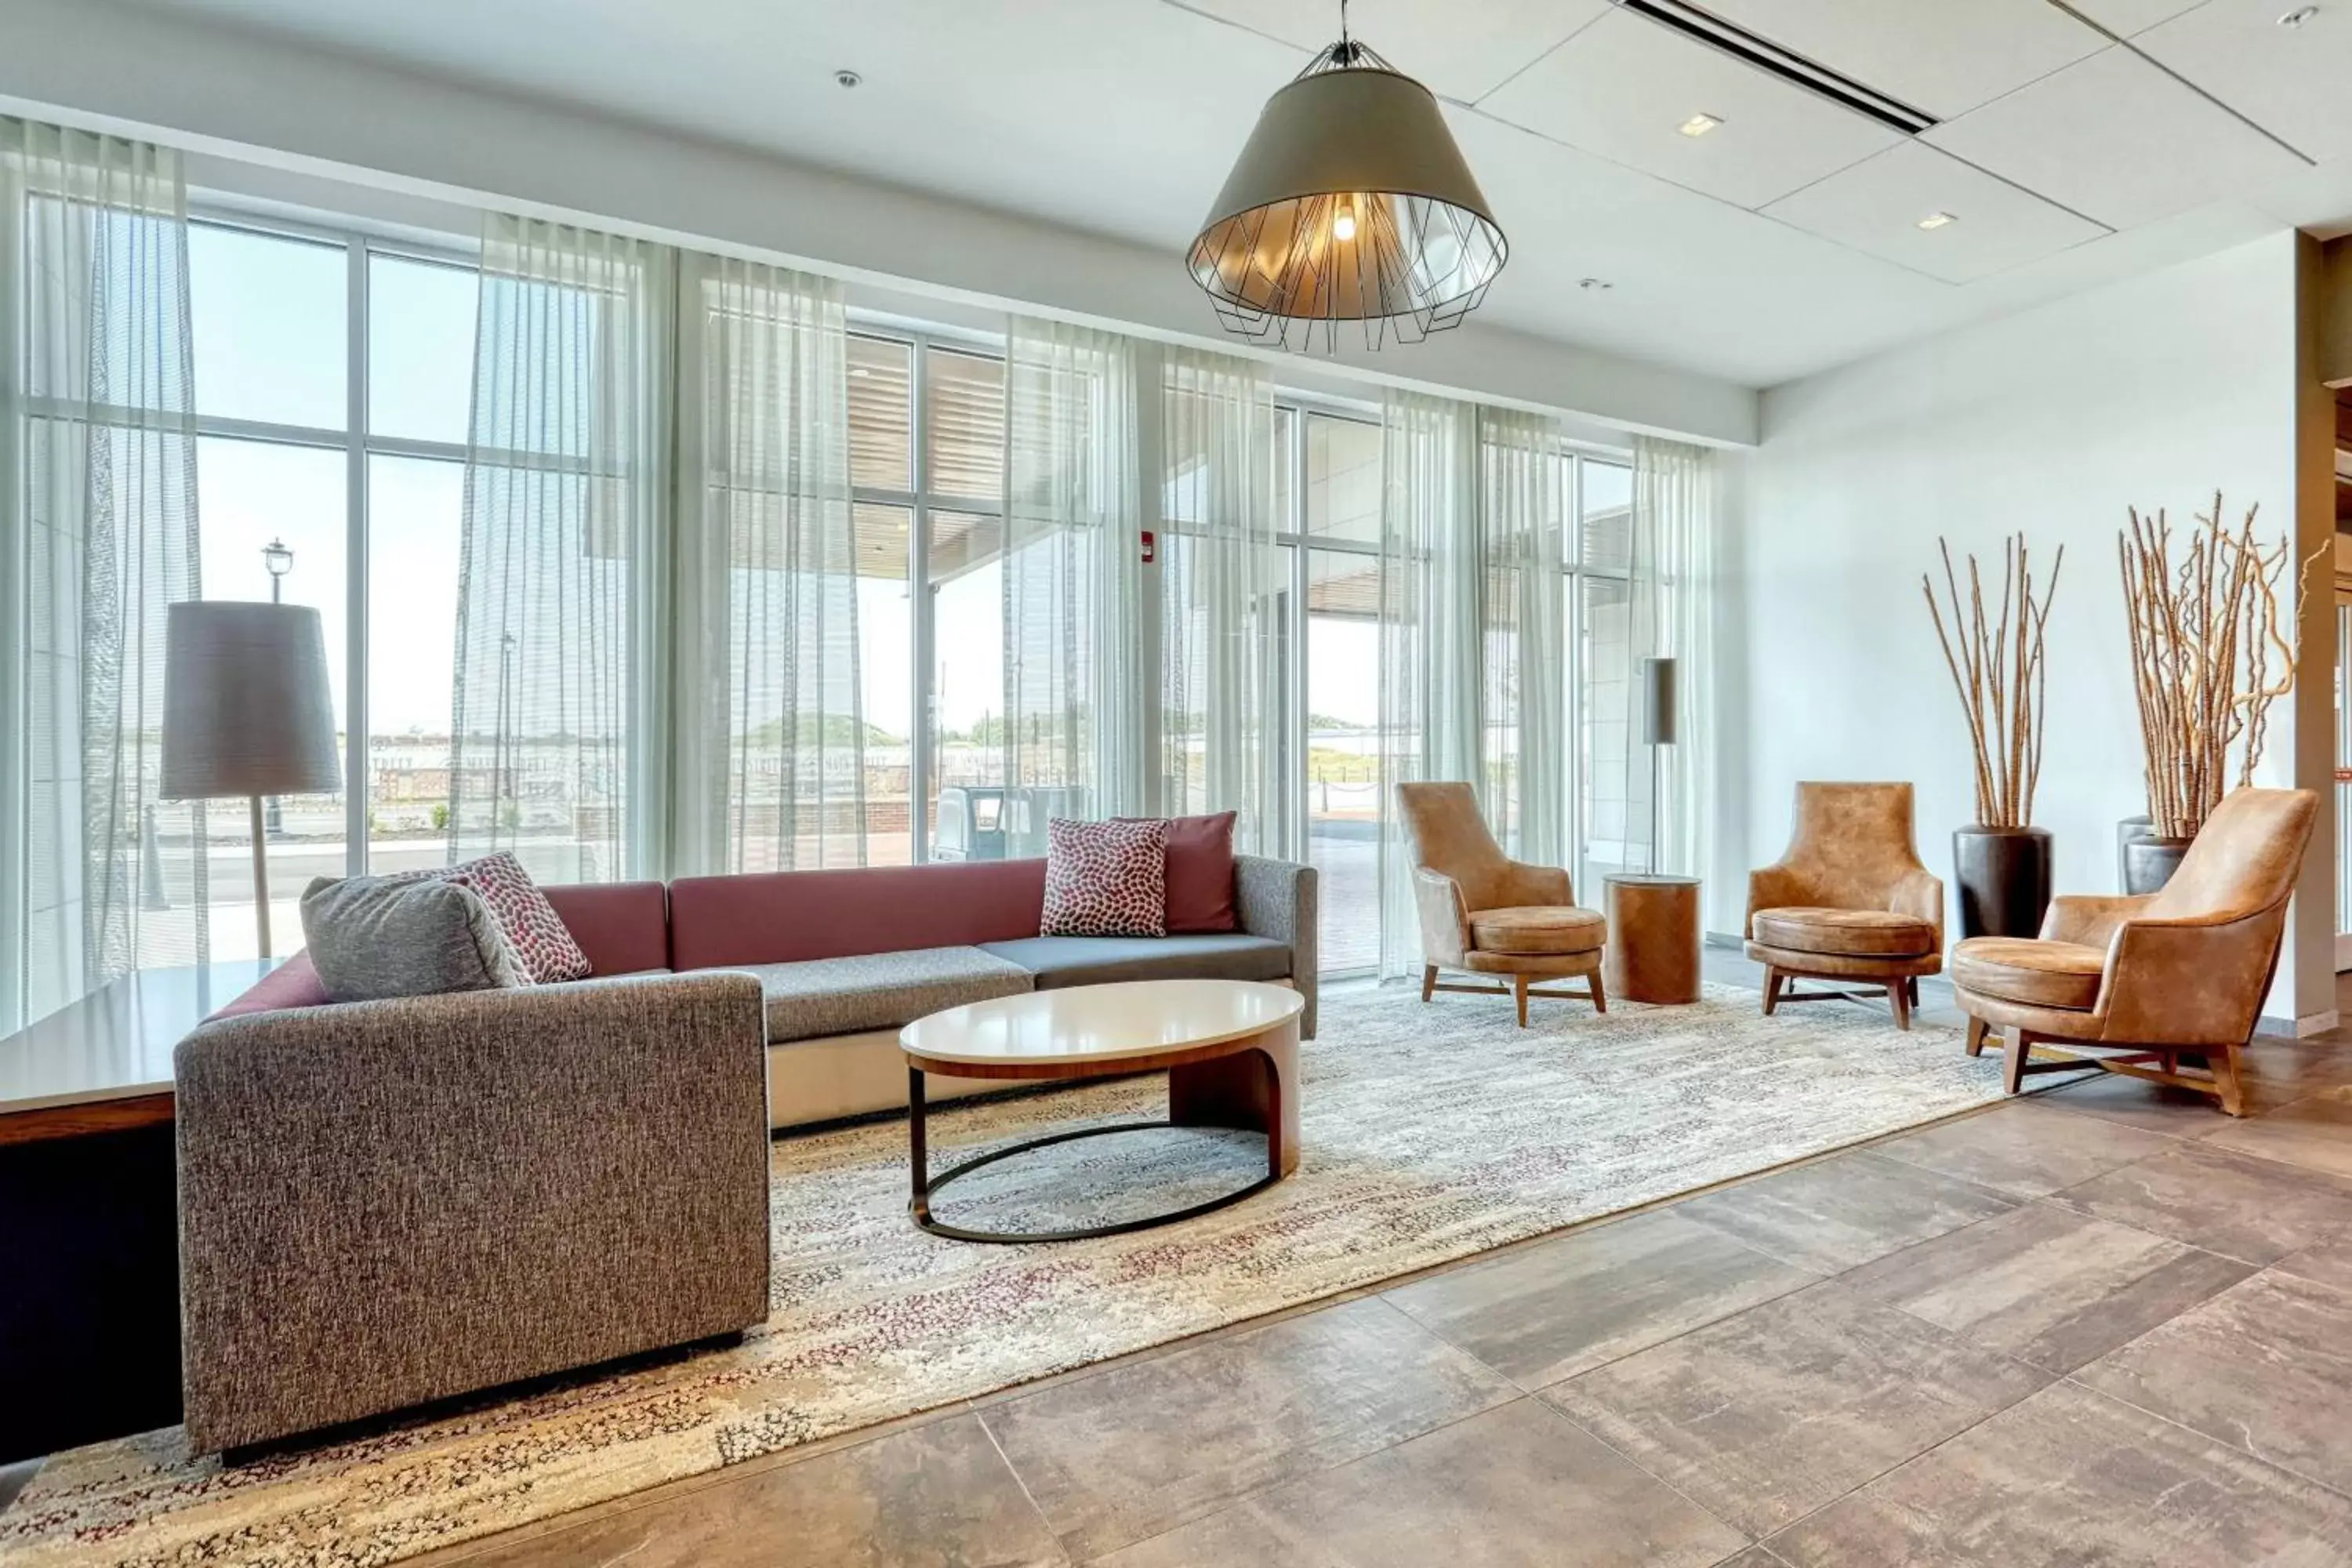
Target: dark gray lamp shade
(246, 706)
(1658, 701)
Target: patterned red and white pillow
(1106, 878)
(542, 943)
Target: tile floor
(2108, 1325)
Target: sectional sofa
(846, 958)
(387, 1202)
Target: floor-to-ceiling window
(333, 377)
(1608, 826)
(927, 456)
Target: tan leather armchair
(1485, 913)
(2178, 973)
(1848, 900)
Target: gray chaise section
(386, 1203)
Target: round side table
(1654, 938)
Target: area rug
(1429, 1133)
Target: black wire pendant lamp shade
(1350, 202)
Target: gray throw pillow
(373, 937)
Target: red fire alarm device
(1150, 548)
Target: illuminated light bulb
(1344, 225)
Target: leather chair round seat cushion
(1855, 933)
(2031, 973)
(1538, 929)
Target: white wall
(186, 83)
(2151, 391)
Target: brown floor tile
(2329, 1261)
(2047, 1285)
(2024, 1149)
(2243, 1207)
(2071, 1476)
(1515, 1488)
(1546, 1312)
(2315, 1132)
(1835, 1214)
(2297, 1068)
(2266, 1367)
(1763, 1417)
(1141, 1449)
(937, 1494)
(2136, 1102)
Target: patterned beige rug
(1429, 1133)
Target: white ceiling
(2078, 142)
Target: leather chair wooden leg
(1600, 993)
(2012, 1078)
(2222, 1063)
(1976, 1035)
(1898, 996)
(1428, 981)
(1773, 980)
(1520, 991)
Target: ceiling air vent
(1767, 56)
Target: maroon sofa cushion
(623, 927)
(786, 917)
(1200, 874)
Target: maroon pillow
(1201, 873)
(1106, 878)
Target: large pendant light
(1350, 202)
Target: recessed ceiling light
(1700, 124)
(1936, 220)
(2298, 16)
(1594, 283)
(847, 78)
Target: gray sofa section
(821, 997)
(1056, 961)
(386, 1203)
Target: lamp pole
(278, 560)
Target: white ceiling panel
(2294, 82)
(2118, 140)
(1121, 116)
(1875, 207)
(2125, 18)
(1462, 49)
(1945, 57)
(1623, 87)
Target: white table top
(115, 1043)
(1101, 1022)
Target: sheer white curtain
(1673, 581)
(1074, 650)
(769, 724)
(1523, 529)
(97, 535)
(1432, 717)
(1222, 582)
(560, 660)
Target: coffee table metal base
(926, 1184)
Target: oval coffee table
(1230, 1048)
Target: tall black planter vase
(2003, 877)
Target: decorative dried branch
(1998, 671)
(2204, 636)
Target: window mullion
(355, 555)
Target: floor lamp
(247, 712)
(1657, 730)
